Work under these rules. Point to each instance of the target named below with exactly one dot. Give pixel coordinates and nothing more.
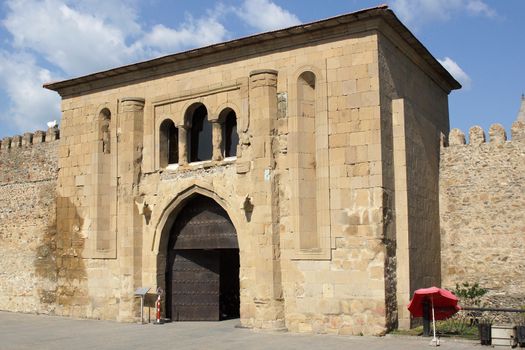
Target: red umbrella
(444, 304)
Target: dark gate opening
(202, 271)
(229, 288)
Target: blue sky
(481, 42)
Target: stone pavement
(39, 332)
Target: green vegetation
(459, 325)
(470, 295)
(463, 324)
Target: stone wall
(414, 115)
(482, 208)
(28, 175)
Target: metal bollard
(158, 318)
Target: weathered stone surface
(482, 209)
(518, 131)
(476, 135)
(497, 134)
(456, 137)
(28, 273)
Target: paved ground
(39, 332)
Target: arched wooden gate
(202, 271)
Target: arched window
(200, 135)
(169, 143)
(230, 137)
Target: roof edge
(380, 10)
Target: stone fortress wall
(482, 215)
(28, 180)
(482, 212)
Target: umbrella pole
(434, 340)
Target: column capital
(132, 104)
(263, 71)
(263, 77)
(213, 118)
(217, 140)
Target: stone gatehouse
(289, 178)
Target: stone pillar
(518, 127)
(16, 141)
(456, 137)
(27, 139)
(129, 221)
(52, 134)
(6, 143)
(266, 309)
(183, 144)
(39, 137)
(216, 139)
(402, 253)
(518, 131)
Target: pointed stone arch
(171, 209)
(181, 245)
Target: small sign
(267, 175)
(141, 291)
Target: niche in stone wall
(308, 148)
(102, 182)
(307, 184)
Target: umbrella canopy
(445, 303)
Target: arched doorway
(202, 267)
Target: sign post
(141, 293)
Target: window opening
(201, 147)
(230, 136)
(169, 143)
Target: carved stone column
(216, 139)
(129, 221)
(183, 144)
(268, 307)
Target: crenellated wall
(28, 178)
(482, 210)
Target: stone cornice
(252, 45)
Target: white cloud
(456, 71)
(264, 15)
(192, 33)
(478, 7)
(30, 105)
(418, 12)
(122, 14)
(75, 42)
(76, 37)
(80, 37)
